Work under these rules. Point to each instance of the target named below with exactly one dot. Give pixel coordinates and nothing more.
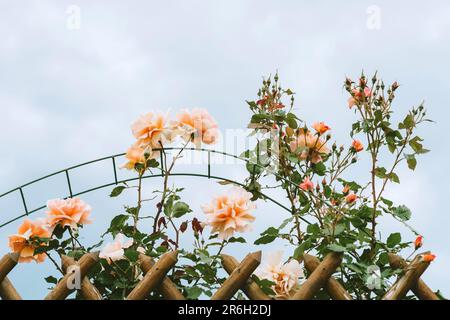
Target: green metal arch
(116, 181)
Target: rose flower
(309, 146)
(285, 276)
(230, 213)
(69, 212)
(25, 243)
(199, 124)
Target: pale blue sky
(69, 96)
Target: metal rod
(209, 164)
(114, 167)
(116, 181)
(68, 183)
(23, 201)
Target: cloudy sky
(70, 88)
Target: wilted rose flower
(285, 276)
(309, 146)
(25, 241)
(68, 212)
(114, 251)
(307, 185)
(321, 127)
(198, 124)
(230, 213)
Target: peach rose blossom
(152, 129)
(230, 213)
(199, 123)
(311, 146)
(357, 146)
(23, 243)
(114, 251)
(136, 154)
(68, 212)
(307, 185)
(320, 127)
(285, 276)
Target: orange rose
(351, 198)
(320, 127)
(428, 257)
(357, 146)
(25, 243)
(418, 243)
(309, 146)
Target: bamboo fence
(240, 278)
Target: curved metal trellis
(116, 181)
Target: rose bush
(311, 170)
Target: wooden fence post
(420, 289)
(62, 288)
(413, 272)
(251, 289)
(332, 286)
(7, 290)
(319, 277)
(7, 263)
(88, 290)
(154, 277)
(168, 289)
(238, 277)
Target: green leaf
(180, 209)
(117, 191)
(51, 279)
(291, 120)
(152, 163)
(313, 229)
(393, 177)
(264, 284)
(402, 212)
(408, 122)
(265, 239)
(193, 293)
(380, 172)
(117, 223)
(394, 239)
(132, 255)
(270, 231)
(336, 248)
(412, 162)
(238, 239)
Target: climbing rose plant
(329, 212)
